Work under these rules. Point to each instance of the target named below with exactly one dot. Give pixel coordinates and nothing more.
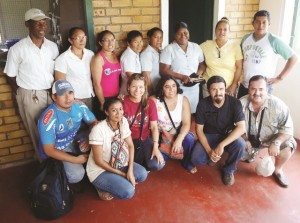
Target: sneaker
(228, 179)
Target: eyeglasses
(108, 40)
(219, 52)
(79, 38)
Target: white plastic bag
(266, 167)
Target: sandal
(105, 196)
(193, 170)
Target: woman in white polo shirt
(150, 58)
(74, 66)
(184, 61)
(130, 59)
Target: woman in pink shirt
(106, 70)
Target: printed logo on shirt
(107, 71)
(47, 117)
(70, 123)
(253, 54)
(61, 127)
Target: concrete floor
(171, 195)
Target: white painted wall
(288, 89)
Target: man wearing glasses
(30, 68)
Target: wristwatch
(277, 142)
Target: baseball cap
(35, 14)
(61, 86)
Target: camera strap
(260, 123)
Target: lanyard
(260, 123)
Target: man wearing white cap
(30, 68)
(59, 132)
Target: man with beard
(269, 125)
(58, 127)
(220, 123)
(29, 69)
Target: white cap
(35, 14)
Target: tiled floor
(171, 195)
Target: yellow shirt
(221, 61)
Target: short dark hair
(179, 26)
(262, 13)
(151, 32)
(160, 85)
(215, 79)
(73, 30)
(133, 34)
(109, 101)
(258, 77)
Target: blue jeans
(147, 148)
(147, 152)
(187, 144)
(117, 185)
(235, 152)
(75, 171)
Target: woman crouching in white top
(110, 166)
(169, 94)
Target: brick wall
(240, 14)
(119, 16)
(15, 144)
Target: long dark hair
(159, 93)
(100, 37)
(109, 101)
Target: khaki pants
(31, 111)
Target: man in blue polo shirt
(58, 130)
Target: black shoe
(228, 179)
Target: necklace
(116, 131)
(111, 127)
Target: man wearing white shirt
(29, 68)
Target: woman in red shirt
(141, 114)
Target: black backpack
(49, 193)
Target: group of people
(110, 114)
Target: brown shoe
(228, 179)
(105, 196)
